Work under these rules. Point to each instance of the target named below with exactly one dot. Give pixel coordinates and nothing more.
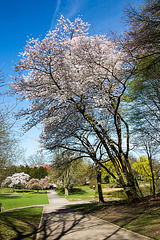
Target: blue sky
(20, 19)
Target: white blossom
(17, 179)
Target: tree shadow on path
(69, 224)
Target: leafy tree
(70, 173)
(25, 169)
(146, 143)
(38, 172)
(71, 74)
(34, 172)
(142, 167)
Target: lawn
(78, 193)
(20, 223)
(143, 217)
(20, 198)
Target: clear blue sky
(20, 19)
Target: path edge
(39, 226)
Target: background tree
(38, 172)
(68, 173)
(37, 184)
(77, 138)
(10, 152)
(37, 160)
(34, 172)
(142, 39)
(147, 144)
(6, 172)
(143, 170)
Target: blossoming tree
(16, 180)
(69, 75)
(38, 184)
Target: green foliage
(34, 172)
(142, 168)
(109, 165)
(67, 172)
(7, 171)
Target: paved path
(61, 222)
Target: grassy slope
(143, 217)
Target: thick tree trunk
(100, 194)
(66, 191)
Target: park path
(61, 222)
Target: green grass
(10, 199)
(147, 223)
(78, 193)
(85, 192)
(20, 223)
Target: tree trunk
(153, 180)
(119, 159)
(66, 191)
(100, 194)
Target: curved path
(61, 222)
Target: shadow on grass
(143, 218)
(93, 207)
(19, 224)
(77, 191)
(24, 191)
(73, 191)
(7, 196)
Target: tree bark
(100, 194)
(66, 191)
